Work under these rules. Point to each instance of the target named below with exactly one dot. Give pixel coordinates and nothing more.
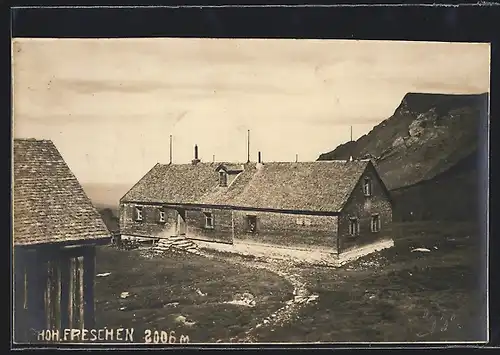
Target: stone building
(336, 206)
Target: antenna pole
(248, 147)
(170, 149)
(351, 133)
(296, 158)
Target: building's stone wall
(292, 230)
(150, 226)
(273, 228)
(222, 230)
(363, 207)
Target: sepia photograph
(218, 191)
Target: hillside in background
(105, 195)
(426, 153)
(105, 198)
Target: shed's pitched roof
(308, 186)
(50, 205)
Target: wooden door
(181, 222)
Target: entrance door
(181, 222)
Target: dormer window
(367, 187)
(138, 213)
(222, 178)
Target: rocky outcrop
(427, 135)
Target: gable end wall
(363, 208)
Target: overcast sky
(110, 105)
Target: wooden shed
(55, 231)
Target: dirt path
(301, 294)
(285, 268)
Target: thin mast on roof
(351, 147)
(170, 149)
(248, 147)
(296, 158)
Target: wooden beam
(88, 283)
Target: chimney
(195, 160)
(296, 158)
(260, 158)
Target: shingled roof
(321, 186)
(50, 205)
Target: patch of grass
(398, 295)
(162, 289)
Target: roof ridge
(33, 140)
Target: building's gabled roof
(50, 205)
(175, 183)
(322, 186)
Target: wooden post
(48, 305)
(80, 309)
(20, 325)
(35, 290)
(88, 284)
(57, 289)
(72, 298)
(65, 282)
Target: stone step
(164, 245)
(161, 248)
(165, 241)
(175, 238)
(183, 244)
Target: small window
(222, 178)
(375, 223)
(162, 216)
(367, 187)
(251, 224)
(353, 226)
(209, 220)
(138, 213)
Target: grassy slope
(395, 295)
(155, 283)
(452, 195)
(398, 295)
